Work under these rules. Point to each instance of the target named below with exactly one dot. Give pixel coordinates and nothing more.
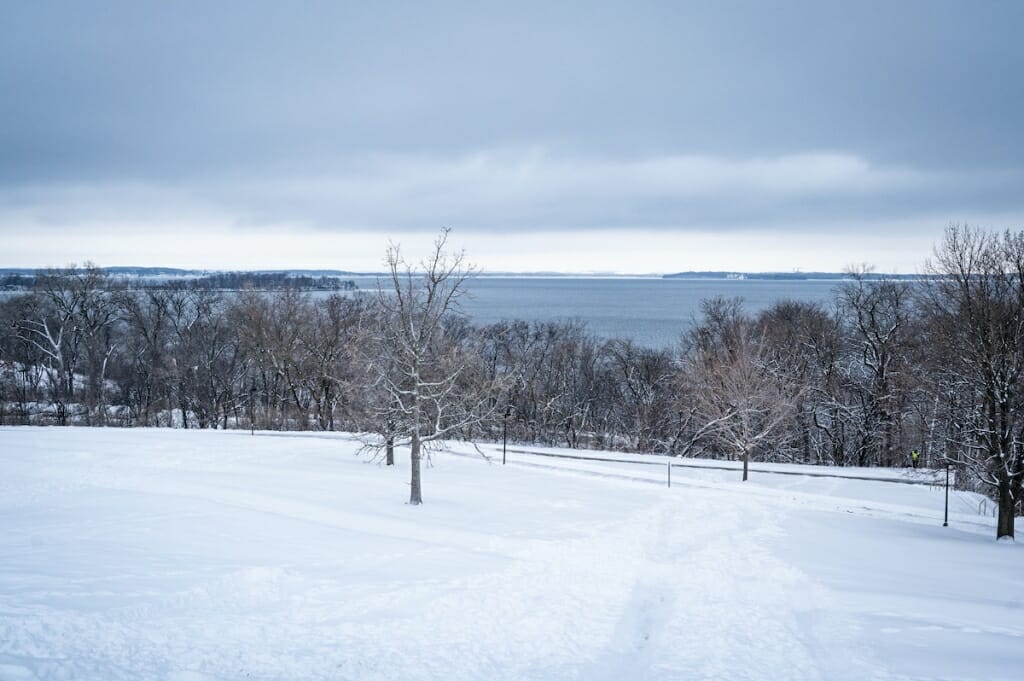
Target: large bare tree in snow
(418, 365)
(976, 298)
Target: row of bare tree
(933, 365)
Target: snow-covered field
(187, 556)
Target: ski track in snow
(711, 604)
(192, 557)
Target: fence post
(669, 467)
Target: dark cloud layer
(329, 113)
(168, 89)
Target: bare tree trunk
(1004, 526)
(389, 452)
(746, 462)
(415, 495)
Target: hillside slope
(185, 555)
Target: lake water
(653, 312)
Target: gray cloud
(543, 116)
(535, 189)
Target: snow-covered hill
(185, 555)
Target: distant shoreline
(789, 276)
(170, 273)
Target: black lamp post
(945, 519)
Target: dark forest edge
(934, 363)
(119, 278)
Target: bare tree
(334, 329)
(144, 367)
(420, 366)
(641, 380)
(742, 401)
(22, 363)
(976, 299)
(880, 314)
(72, 326)
(801, 338)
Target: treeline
(215, 281)
(266, 281)
(11, 282)
(892, 366)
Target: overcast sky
(573, 136)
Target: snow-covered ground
(187, 556)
